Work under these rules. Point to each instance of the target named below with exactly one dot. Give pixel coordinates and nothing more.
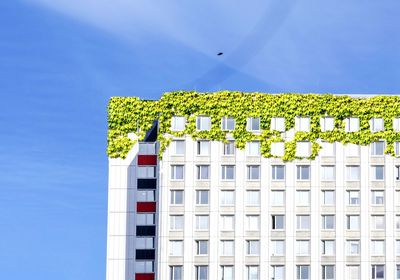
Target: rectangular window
(227, 222)
(378, 271)
(201, 272)
(203, 148)
(353, 197)
(353, 272)
(328, 222)
(303, 149)
(278, 172)
(352, 150)
(178, 147)
(328, 247)
(378, 172)
(377, 197)
(176, 248)
(146, 172)
(203, 123)
(328, 198)
(328, 149)
(278, 247)
(145, 219)
(278, 222)
(202, 197)
(229, 148)
(277, 198)
(253, 222)
(353, 222)
(377, 247)
(227, 198)
(227, 272)
(303, 172)
(353, 247)
(328, 173)
(278, 272)
(302, 247)
(328, 272)
(252, 272)
(303, 222)
(202, 222)
(377, 148)
(177, 172)
(327, 123)
(278, 149)
(145, 195)
(397, 148)
(228, 123)
(203, 172)
(397, 248)
(144, 243)
(253, 172)
(278, 124)
(397, 220)
(147, 148)
(144, 266)
(397, 271)
(303, 272)
(378, 222)
(253, 124)
(178, 123)
(253, 247)
(227, 172)
(376, 124)
(253, 148)
(353, 173)
(176, 222)
(396, 124)
(175, 272)
(202, 247)
(302, 198)
(302, 124)
(397, 172)
(253, 198)
(352, 124)
(176, 197)
(227, 247)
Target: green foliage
(130, 114)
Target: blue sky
(61, 60)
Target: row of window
(352, 124)
(303, 271)
(277, 197)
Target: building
(313, 194)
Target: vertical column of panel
(264, 229)
(365, 213)
(390, 195)
(214, 211)
(315, 219)
(340, 202)
(290, 230)
(240, 266)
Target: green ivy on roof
(130, 114)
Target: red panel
(147, 160)
(144, 276)
(146, 207)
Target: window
(227, 272)
(253, 222)
(277, 149)
(397, 172)
(227, 222)
(144, 242)
(176, 222)
(396, 124)
(253, 172)
(227, 247)
(328, 222)
(253, 198)
(302, 272)
(377, 197)
(278, 124)
(397, 271)
(147, 148)
(353, 222)
(277, 198)
(278, 222)
(397, 148)
(303, 222)
(397, 222)
(176, 248)
(353, 172)
(202, 222)
(353, 247)
(144, 266)
(203, 172)
(377, 247)
(202, 197)
(378, 271)
(328, 247)
(377, 148)
(178, 123)
(353, 272)
(201, 272)
(175, 272)
(303, 149)
(352, 150)
(328, 197)
(302, 198)
(228, 123)
(278, 247)
(397, 248)
(146, 172)
(228, 172)
(202, 247)
(328, 272)
(229, 148)
(203, 123)
(378, 222)
(376, 124)
(302, 247)
(353, 197)
(327, 149)
(253, 148)
(278, 172)
(253, 247)
(145, 195)
(327, 173)
(327, 123)
(252, 272)
(278, 272)
(176, 197)
(352, 124)
(377, 172)
(145, 219)
(177, 172)
(253, 124)
(303, 172)
(302, 124)
(178, 147)
(227, 198)
(203, 148)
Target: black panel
(146, 183)
(145, 254)
(151, 135)
(145, 230)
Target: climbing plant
(130, 114)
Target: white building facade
(210, 211)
